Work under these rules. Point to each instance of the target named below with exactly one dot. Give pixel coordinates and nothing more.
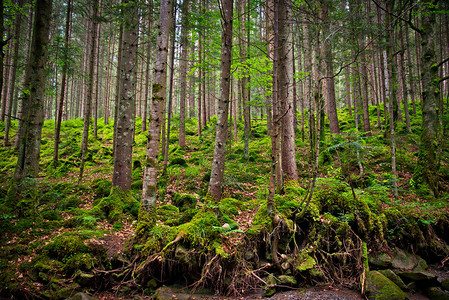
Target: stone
(287, 280)
(406, 261)
(395, 278)
(379, 287)
(436, 293)
(380, 260)
(417, 275)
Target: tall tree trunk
(170, 91)
(183, 77)
(12, 82)
(90, 89)
(404, 81)
(33, 105)
(285, 85)
(63, 84)
(126, 117)
(426, 177)
(328, 59)
(149, 192)
(245, 79)
(25, 62)
(217, 172)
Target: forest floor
(63, 238)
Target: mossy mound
(380, 287)
(116, 205)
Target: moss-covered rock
(393, 277)
(184, 201)
(436, 293)
(379, 287)
(115, 205)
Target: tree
(12, 82)
(218, 163)
(33, 102)
(426, 171)
(149, 192)
(90, 87)
(285, 93)
(183, 77)
(126, 113)
(63, 84)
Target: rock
(380, 260)
(226, 227)
(379, 287)
(85, 279)
(417, 276)
(412, 287)
(436, 293)
(445, 284)
(81, 296)
(270, 288)
(287, 280)
(406, 261)
(304, 262)
(395, 278)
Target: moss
(178, 161)
(115, 205)
(79, 261)
(101, 187)
(65, 246)
(380, 287)
(303, 262)
(261, 223)
(184, 201)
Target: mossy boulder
(380, 260)
(436, 293)
(184, 201)
(115, 205)
(304, 262)
(393, 277)
(379, 287)
(65, 246)
(422, 276)
(406, 261)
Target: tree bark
(12, 81)
(217, 172)
(426, 177)
(127, 105)
(285, 85)
(63, 85)
(90, 89)
(149, 192)
(183, 76)
(32, 98)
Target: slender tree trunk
(404, 81)
(33, 105)
(149, 192)
(12, 82)
(330, 82)
(426, 177)
(23, 87)
(217, 172)
(170, 91)
(90, 89)
(285, 85)
(410, 72)
(126, 117)
(63, 85)
(183, 77)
